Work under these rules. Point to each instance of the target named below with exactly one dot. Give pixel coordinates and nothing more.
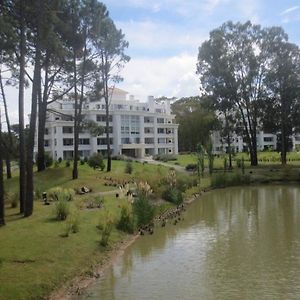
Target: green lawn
(34, 257)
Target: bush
(59, 160)
(191, 167)
(72, 223)
(165, 157)
(128, 167)
(173, 195)
(56, 164)
(143, 211)
(68, 164)
(125, 222)
(48, 160)
(224, 180)
(14, 200)
(96, 161)
(82, 162)
(105, 235)
(62, 209)
(58, 193)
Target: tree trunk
(8, 166)
(41, 132)
(36, 94)
(75, 154)
(283, 144)
(229, 151)
(7, 158)
(22, 177)
(108, 169)
(2, 217)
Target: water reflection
(239, 243)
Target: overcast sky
(164, 36)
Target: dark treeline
(56, 48)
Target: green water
(239, 243)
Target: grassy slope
(34, 258)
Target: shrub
(14, 200)
(223, 180)
(85, 159)
(72, 223)
(82, 162)
(105, 235)
(57, 193)
(62, 209)
(96, 161)
(165, 157)
(173, 195)
(68, 164)
(125, 222)
(191, 167)
(128, 167)
(59, 160)
(48, 160)
(56, 164)
(119, 157)
(143, 210)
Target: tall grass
(229, 179)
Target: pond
(237, 243)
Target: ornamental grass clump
(143, 210)
(72, 223)
(172, 192)
(126, 222)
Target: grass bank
(36, 258)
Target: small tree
(96, 161)
(200, 160)
(210, 155)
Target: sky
(164, 37)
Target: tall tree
(196, 119)
(111, 46)
(232, 66)
(2, 218)
(281, 107)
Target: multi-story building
(265, 141)
(136, 128)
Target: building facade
(265, 141)
(136, 128)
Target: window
(161, 141)
(46, 143)
(55, 142)
(149, 140)
(125, 140)
(67, 142)
(268, 139)
(84, 141)
(54, 129)
(67, 129)
(160, 120)
(102, 141)
(102, 118)
(46, 131)
(160, 130)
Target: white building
(136, 129)
(265, 141)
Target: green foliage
(56, 164)
(105, 234)
(82, 162)
(62, 209)
(68, 164)
(48, 160)
(191, 167)
(173, 195)
(57, 193)
(229, 179)
(72, 223)
(225, 164)
(200, 160)
(96, 161)
(142, 210)
(165, 157)
(128, 167)
(126, 222)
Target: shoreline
(80, 283)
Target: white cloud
(174, 76)
(160, 36)
(291, 14)
(289, 10)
